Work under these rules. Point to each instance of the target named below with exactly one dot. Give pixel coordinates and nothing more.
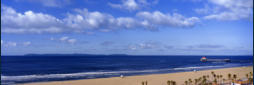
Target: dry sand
(154, 79)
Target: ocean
(41, 68)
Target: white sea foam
(198, 67)
(89, 74)
(70, 75)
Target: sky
(134, 27)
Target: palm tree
(199, 78)
(143, 83)
(247, 75)
(204, 81)
(214, 75)
(212, 72)
(169, 82)
(207, 76)
(173, 83)
(218, 77)
(221, 76)
(195, 81)
(251, 80)
(215, 81)
(229, 76)
(235, 76)
(186, 82)
(204, 77)
(251, 75)
(223, 80)
(190, 81)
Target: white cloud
(83, 21)
(132, 5)
(86, 20)
(49, 3)
(132, 47)
(2, 42)
(64, 38)
(126, 4)
(29, 22)
(144, 45)
(68, 40)
(14, 44)
(27, 43)
(71, 41)
(158, 19)
(230, 9)
(126, 22)
(10, 44)
(54, 3)
(207, 9)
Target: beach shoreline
(152, 79)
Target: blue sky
(135, 27)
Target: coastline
(152, 79)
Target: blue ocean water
(23, 69)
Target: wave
(93, 74)
(70, 75)
(198, 67)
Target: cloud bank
(14, 44)
(228, 10)
(65, 39)
(82, 21)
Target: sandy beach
(154, 79)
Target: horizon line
(126, 54)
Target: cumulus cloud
(126, 4)
(106, 22)
(10, 44)
(66, 39)
(132, 5)
(143, 45)
(84, 21)
(207, 9)
(28, 22)
(49, 3)
(158, 19)
(228, 9)
(27, 43)
(14, 44)
(209, 46)
(132, 47)
(72, 41)
(204, 47)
